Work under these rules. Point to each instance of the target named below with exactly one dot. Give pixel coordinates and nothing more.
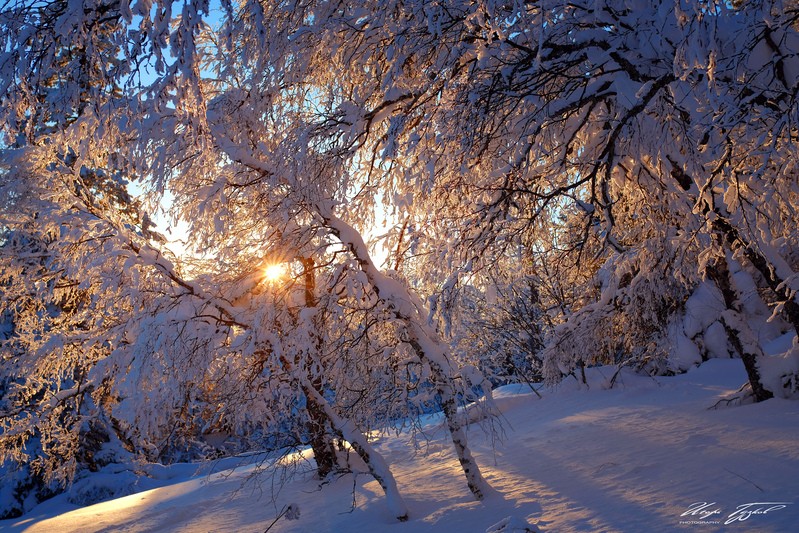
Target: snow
(650, 454)
(715, 341)
(686, 353)
(702, 308)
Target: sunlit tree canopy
(390, 207)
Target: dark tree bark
(321, 437)
(321, 433)
(720, 274)
(732, 236)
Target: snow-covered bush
(632, 322)
(500, 330)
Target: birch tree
(652, 124)
(241, 155)
(634, 150)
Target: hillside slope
(637, 457)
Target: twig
(279, 516)
(745, 479)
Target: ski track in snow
(630, 459)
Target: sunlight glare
(274, 272)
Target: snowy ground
(634, 458)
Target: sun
(274, 272)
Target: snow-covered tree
(666, 125)
(637, 152)
(236, 139)
(500, 328)
(62, 299)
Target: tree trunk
(324, 450)
(449, 406)
(738, 331)
(733, 238)
(730, 234)
(321, 434)
(726, 234)
(428, 347)
(377, 466)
